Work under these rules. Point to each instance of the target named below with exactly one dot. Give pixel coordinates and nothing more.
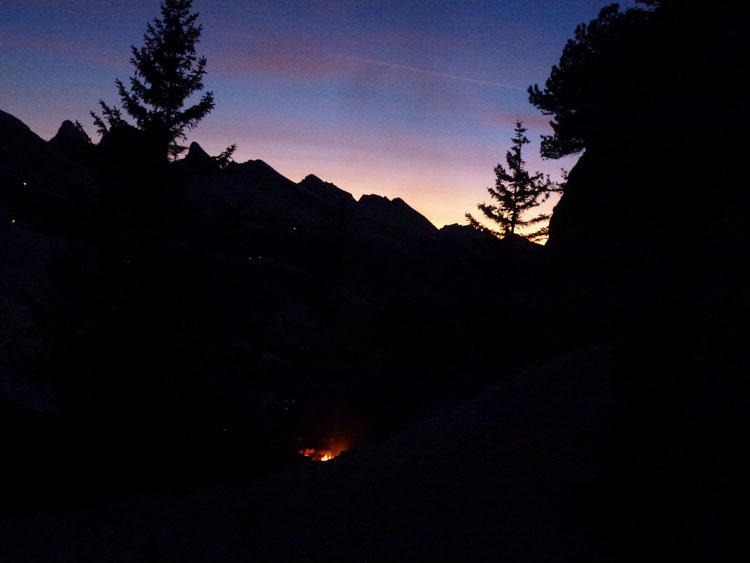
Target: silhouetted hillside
(596, 456)
(202, 316)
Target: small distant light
(294, 228)
(12, 221)
(25, 184)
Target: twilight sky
(406, 98)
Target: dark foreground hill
(612, 453)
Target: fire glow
(318, 454)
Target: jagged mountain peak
(10, 125)
(71, 141)
(197, 151)
(326, 192)
(395, 212)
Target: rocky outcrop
(124, 151)
(326, 193)
(21, 151)
(656, 194)
(384, 223)
(652, 221)
(72, 142)
(468, 240)
(396, 213)
(198, 160)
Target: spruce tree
(516, 192)
(167, 73)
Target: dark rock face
(12, 127)
(21, 150)
(38, 181)
(257, 172)
(642, 235)
(327, 194)
(381, 222)
(395, 212)
(125, 149)
(198, 160)
(657, 183)
(467, 239)
(651, 224)
(622, 204)
(71, 141)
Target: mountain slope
(550, 465)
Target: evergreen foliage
(516, 192)
(595, 79)
(225, 157)
(112, 118)
(79, 127)
(168, 72)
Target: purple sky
(411, 99)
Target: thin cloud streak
(426, 71)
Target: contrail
(429, 72)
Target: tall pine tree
(516, 192)
(167, 73)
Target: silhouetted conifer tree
(225, 157)
(112, 118)
(602, 70)
(516, 192)
(167, 73)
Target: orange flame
(317, 454)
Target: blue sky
(401, 98)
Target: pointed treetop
(516, 192)
(167, 73)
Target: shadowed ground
(585, 459)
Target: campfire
(316, 454)
(319, 454)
